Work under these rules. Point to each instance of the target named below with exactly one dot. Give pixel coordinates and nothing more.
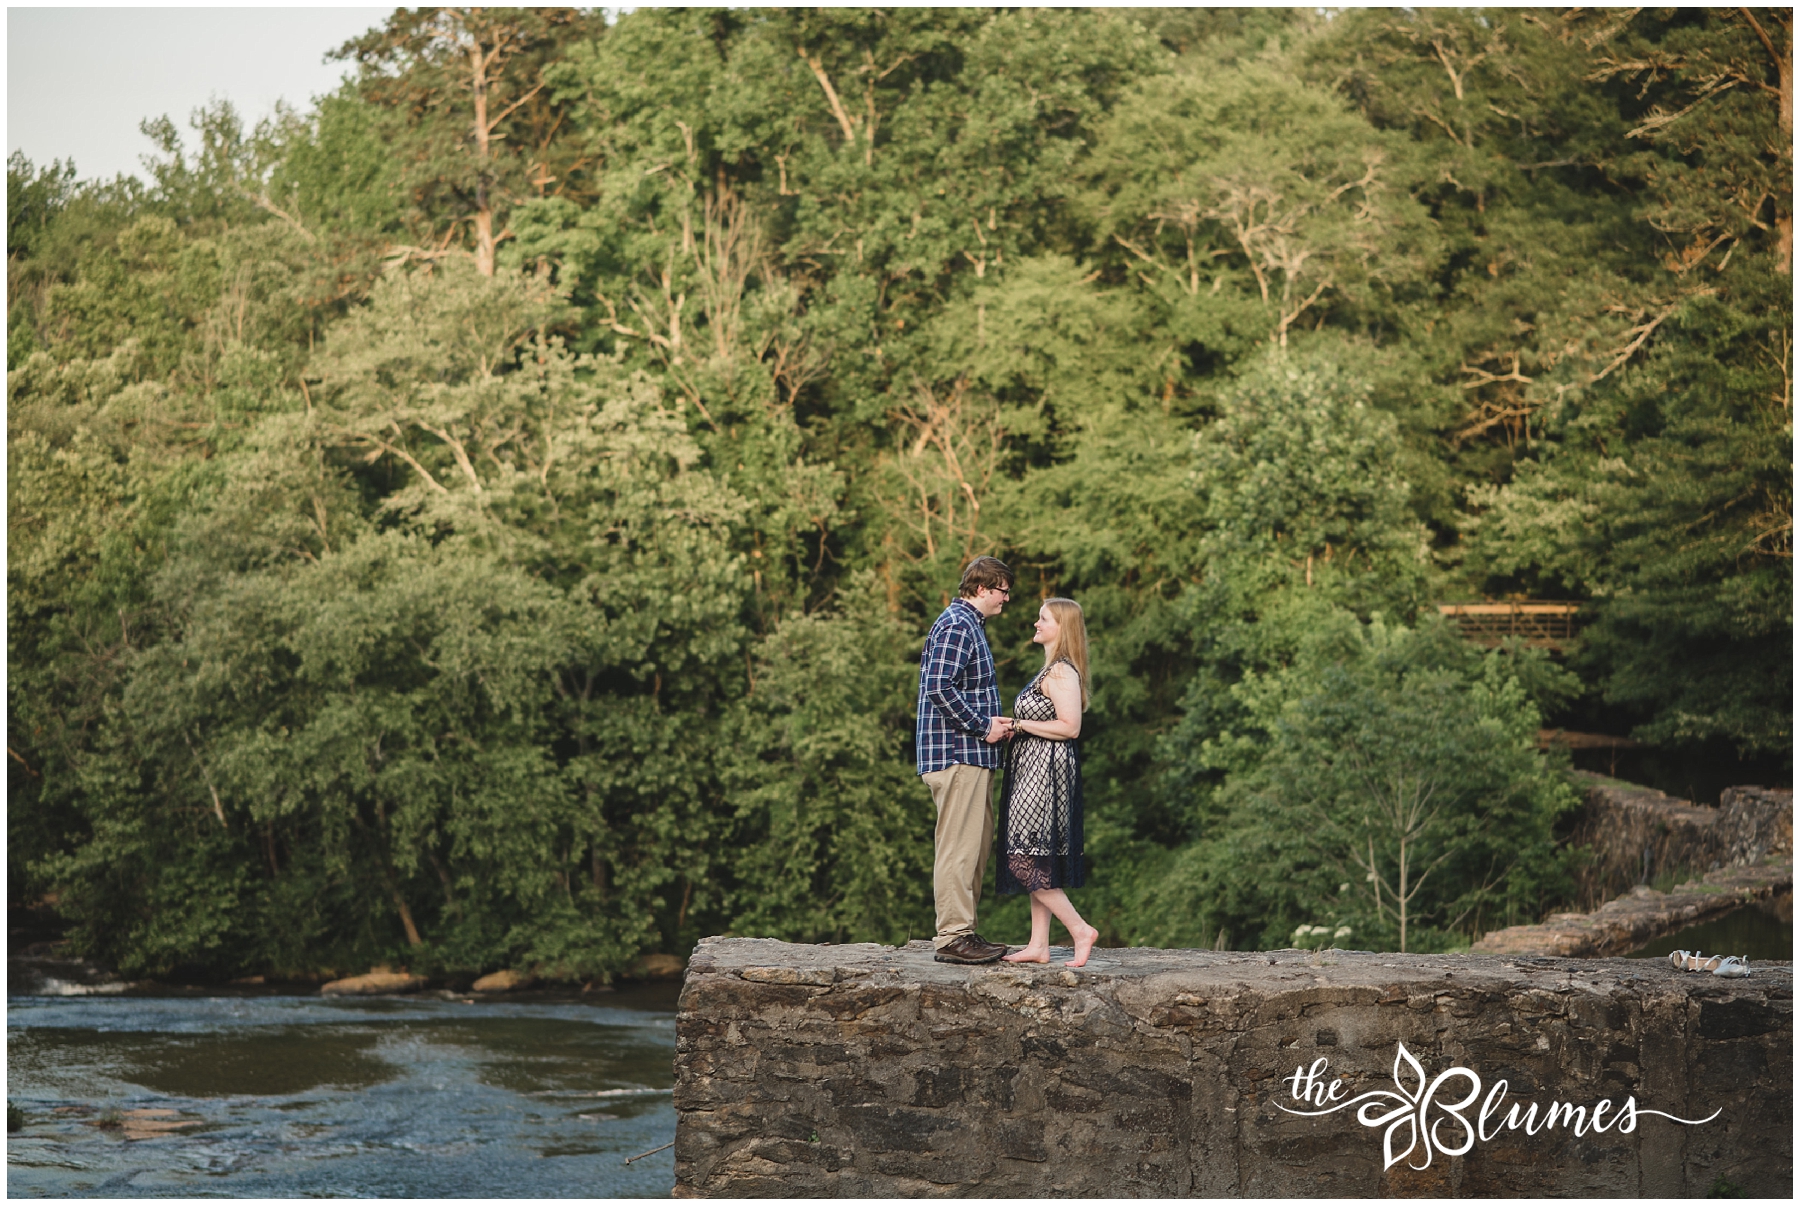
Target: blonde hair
(1071, 640)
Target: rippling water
(283, 1096)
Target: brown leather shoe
(970, 948)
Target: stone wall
(1638, 834)
(874, 1071)
(1755, 823)
(1643, 914)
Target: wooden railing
(1584, 741)
(1539, 625)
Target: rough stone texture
(373, 984)
(1638, 834)
(1756, 822)
(507, 980)
(874, 1071)
(1643, 914)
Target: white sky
(79, 80)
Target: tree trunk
(484, 213)
(406, 918)
(1784, 223)
(1402, 896)
(444, 879)
(484, 241)
(387, 873)
(1784, 78)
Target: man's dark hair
(985, 572)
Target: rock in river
(505, 981)
(373, 983)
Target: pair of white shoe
(1718, 965)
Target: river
(264, 1095)
(1757, 932)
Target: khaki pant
(965, 832)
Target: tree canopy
(491, 516)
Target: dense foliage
(490, 518)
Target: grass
(1666, 881)
(1605, 781)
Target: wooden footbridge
(1537, 623)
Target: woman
(1040, 804)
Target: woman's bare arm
(1063, 688)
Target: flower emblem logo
(1408, 1112)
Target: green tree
(486, 517)
(832, 824)
(466, 116)
(1386, 779)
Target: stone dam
(864, 1070)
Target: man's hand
(999, 729)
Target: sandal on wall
(1732, 965)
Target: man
(960, 726)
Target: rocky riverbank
(49, 969)
(1643, 914)
(1740, 853)
(1638, 835)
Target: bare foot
(1029, 954)
(1084, 946)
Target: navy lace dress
(1039, 830)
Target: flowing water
(285, 1096)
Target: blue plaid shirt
(958, 692)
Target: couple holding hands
(961, 734)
